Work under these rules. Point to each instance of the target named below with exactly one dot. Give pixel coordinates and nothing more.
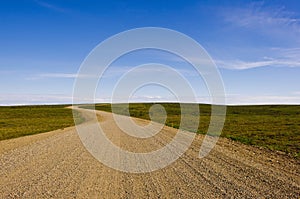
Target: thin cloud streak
(258, 16)
(242, 65)
(59, 75)
(110, 73)
(50, 6)
(282, 57)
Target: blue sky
(256, 46)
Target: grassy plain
(16, 121)
(276, 127)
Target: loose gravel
(56, 165)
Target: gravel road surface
(57, 165)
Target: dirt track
(56, 165)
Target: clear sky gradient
(255, 45)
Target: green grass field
(276, 127)
(16, 121)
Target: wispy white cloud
(50, 6)
(283, 57)
(57, 75)
(241, 65)
(259, 16)
(115, 71)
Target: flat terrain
(56, 165)
(17, 121)
(275, 127)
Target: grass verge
(17, 121)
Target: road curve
(57, 165)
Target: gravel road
(57, 165)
